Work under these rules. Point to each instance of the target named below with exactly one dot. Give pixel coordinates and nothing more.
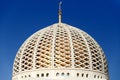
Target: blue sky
(21, 18)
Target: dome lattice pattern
(60, 46)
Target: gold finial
(60, 12)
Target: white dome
(58, 51)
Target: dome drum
(61, 74)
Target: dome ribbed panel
(28, 52)
(105, 63)
(81, 57)
(101, 53)
(95, 53)
(39, 33)
(71, 46)
(43, 57)
(16, 66)
(62, 49)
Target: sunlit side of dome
(60, 51)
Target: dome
(60, 51)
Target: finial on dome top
(60, 12)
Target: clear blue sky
(21, 18)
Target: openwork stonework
(60, 52)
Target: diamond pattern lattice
(44, 50)
(27, 57)
(80, 51)
(16, 67)
(95, 53)
(62, 49)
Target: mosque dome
(60, 52)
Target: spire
(60, 12)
